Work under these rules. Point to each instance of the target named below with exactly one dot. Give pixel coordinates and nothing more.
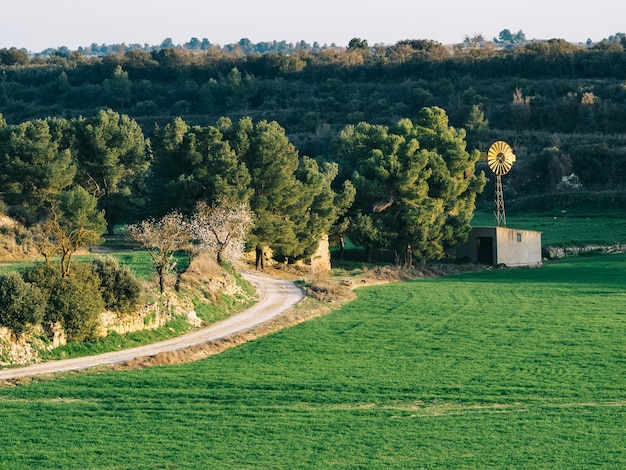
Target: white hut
(493, 246)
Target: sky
(36, 25)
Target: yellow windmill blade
(500, 158)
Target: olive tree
(74, 223)
(21, 303)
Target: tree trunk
(342, 246)
(408, 257)
(161, 279)
(260, 259)
(179, 276)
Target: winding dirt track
(275, 297)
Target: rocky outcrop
(24, 349)
(150, 316)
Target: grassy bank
(500, 369)
(563, 229)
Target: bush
(75, 300)
(44, 276)
(119, 287)
(21, 303)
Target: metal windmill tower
(500, 159)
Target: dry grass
(15, 241)
(201, 267)
(208, 277)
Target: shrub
(119, 288)
(75, 300)
(21, 303)
(43, 276)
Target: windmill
(500, 158)
(499, 245)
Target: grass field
(563, 229)
(501, 369)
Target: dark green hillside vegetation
(561, 105)
(499, 369)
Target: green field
(562, 229)
(500, 369)
(138, 261)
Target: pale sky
(36, 25)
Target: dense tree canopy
(112, 158)
(37, 165)
(415, 185)
(203, 122)
(289, 194)
(195, 163)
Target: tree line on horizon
(506, 39)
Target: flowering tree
(162, 238)
(221, 228)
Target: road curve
(275, 297)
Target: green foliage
(37, 166)
(120, 290)
(477, 128)
(75, 223)
(43, 275)
(113, 157)
(21, 303)
(272, 161)
(415, 185)
(242, 163)
(78, 210)
(499, 369)
(13, 56)
(75, 300)
(195, 164)
(570, 98)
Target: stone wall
(556, 252)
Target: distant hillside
(561, 106)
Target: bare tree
(222, 228)
(162, 238)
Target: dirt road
(275, 297)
